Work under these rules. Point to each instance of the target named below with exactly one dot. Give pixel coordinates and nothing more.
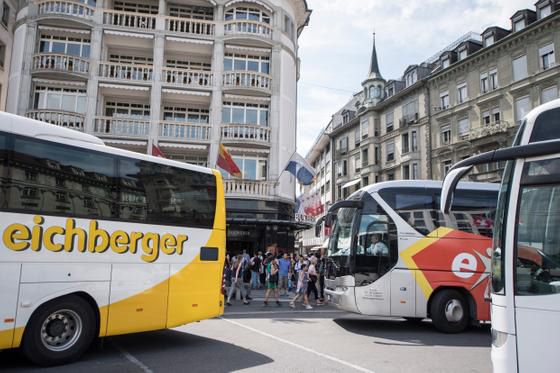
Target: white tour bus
(99, 241)
(392, 253)
(526, 248)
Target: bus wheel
(59, 331)
(449, 311)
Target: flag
(227, 163)
(300, 168)
(156, 151)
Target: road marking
(307, 349)
(281, 312)
(132, 359)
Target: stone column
(93, 81)
(216, 100)
(274, 118)
(25, 93)
(155, 101)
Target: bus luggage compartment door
(403, 293)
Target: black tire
(450, 311)
(60, 331)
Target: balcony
(488, 130)
(187, 78)
(189, 26)
(121, 127)
(58, 118)
(245, 133)
(65, 8)
(248, 28)
(247, 80)
(137, 21)
(249, 188)
(60, 63)
(125, 72)
(187, 132)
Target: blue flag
(298, 166)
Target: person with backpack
(256, 270)
(237, 280)
(272, 278)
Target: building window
(390, 148)
(518, 25)
(404, 143)
(522, 107)
(377, 154)
(364, 127)
(72, 46)
(343, 145)
(489, 40)
(486, 117)
(357, 163)
(65, 99)
(546, 57)
(495, 114)
(549, 94)
(127, 110)
(188, 65)
(2, 54)
(445, 63)
(446, 166)
(243, 62)
(406, 172)
(289, 27)
(365, 157)
(463, 54)
(446, 135)
(389, 122)
(484, 83)
(411, 78)
(444, 100)
(462, 93)
(185, 114)
(410, 111)
(136, 7)
(391, 176)
(415, 171)
(365, 181)
(493, 79)
(342, 168)
(5, 14)
(192, 12)
(545, 11)
(245, 113)
(520, 68)
(357, 137)
(252, 168)
(414, 141)
(247, 14)
(464, 127)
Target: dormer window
(445, 63)
(489, 40)
(463, 54)
(545, 11)
(519, 25)
(390, 91)
(411, 78)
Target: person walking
(255, 270)
(247, 273)
(284, 271)
(322, 269)
(271, 278)
(301, 291)
(237, 280)
(311, 286)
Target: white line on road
(132, 359)
(332, 358)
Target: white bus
(392, 253)
(526, 249)
(98, 241)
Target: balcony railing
(121, 127)
(119, 18)
(184, 77)
(488, 130)
(68, 8)
(59, 118)
(60, 63)
(121, 71)
(246, 132)
(184, 131)
(249, 188)
(189, 26)
(247, 79)
(252, 28)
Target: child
(303, 280)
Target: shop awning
(351, 183)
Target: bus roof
(375, 188)
(45, 131)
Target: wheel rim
(61, 330)
(454, 310)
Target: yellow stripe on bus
(408, 254)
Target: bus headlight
(498, 338)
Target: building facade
(182, 76)
(7, 26)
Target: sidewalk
(257, 304)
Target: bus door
(537, 264)
(374, 255)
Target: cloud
(335, 48)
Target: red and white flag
(156, 151)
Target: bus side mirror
(449, 184)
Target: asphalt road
(255, 338)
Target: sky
(335, 49)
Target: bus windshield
(341, 240)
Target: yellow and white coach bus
(99, 241)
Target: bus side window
(537, 235)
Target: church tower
(374, 85)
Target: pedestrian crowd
(280, 274)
